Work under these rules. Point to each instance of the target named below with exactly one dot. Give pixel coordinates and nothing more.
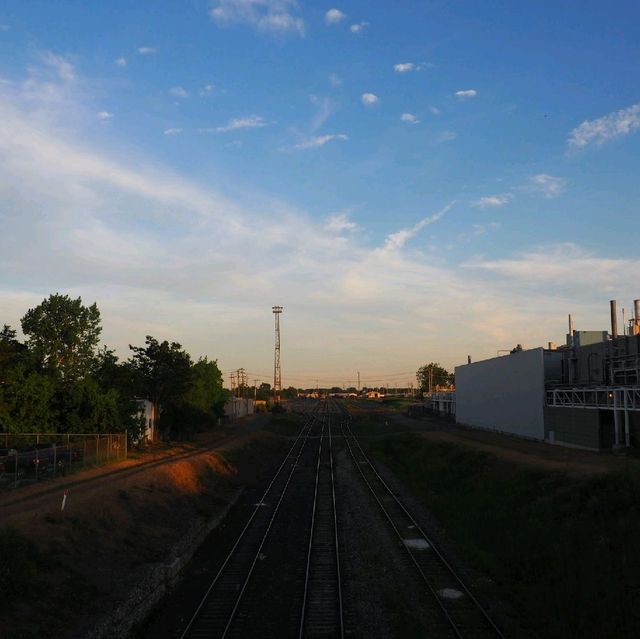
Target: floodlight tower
(277, 373)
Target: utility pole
(277, 372)
(255, 389)
(358, 381)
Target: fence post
(126, 443)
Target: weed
(562, 550)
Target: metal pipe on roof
(570, 338)
(614, 319)
(636, 311)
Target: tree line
(60, 380)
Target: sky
(412, 181)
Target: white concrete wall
(504, 393)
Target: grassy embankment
(563, 551)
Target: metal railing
(26, 458)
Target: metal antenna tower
(277, 373)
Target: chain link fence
(26, 458)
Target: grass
(20, 563)
(563, 551)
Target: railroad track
(275, 581)
(463, 613)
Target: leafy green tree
(63, 335)
(162, 373)
(26, 402)
(206, 393)
(431, 375)
(12, 351)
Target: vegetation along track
(461, 611)
(282, 576)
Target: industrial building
(584, 394)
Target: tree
(431, 375)
(206, 393)
(162, 373)
(63, 336)
(11, 351)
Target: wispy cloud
(358, 27)
(493, 201)
(250, 122)
(335, 80)
(104, 116)
(131, 234)
(398, 239)
(334, 16)
(407, 67)
(147, 50)
(325, 109)
(409, 118)
(179, 92)
(434, 110)
(446, 136)
(206, 90)
(121, 62)
(548, 185)
(466, 94)
(271, 16)
(173, 131)
(340, 222)
(608, 127)
(369, 99)
(318, 140)
(61, 65)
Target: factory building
(584, 394)
(507, 393)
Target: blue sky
(412, 181)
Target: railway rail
(231, 605)
(463, 613)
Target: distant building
(146, 412)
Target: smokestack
(570, 336)
(469, 356)
(614, 319)
(636, 310)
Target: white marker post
(64, 500)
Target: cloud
(335, 80)
(334, 16)
(235, 124)
(548, 185)
(397, 240)
(409, 118)
(173, 131)
(147, 50)
(207, 89)
(434, 110)
(62, 66)
(325, 109)
(369, 99)
(318, 140)
(466, 93)
(119, 228)
(479, 229)
(269, 16)
(121, 62)
(104, 116)
(492, 201)
(179, 92)
(606, 128)
(446, 136)
(359, 27)
(340, 222)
